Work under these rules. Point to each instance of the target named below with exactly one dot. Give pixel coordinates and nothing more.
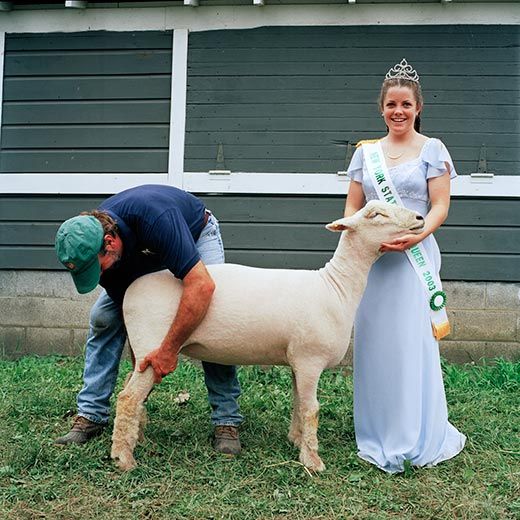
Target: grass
(179, 477)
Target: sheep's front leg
(143, 419)
(130, 415)
(306, 386)
(295, 432)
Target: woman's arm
(439, 192)
(355, 198)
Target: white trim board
(206, 18)
(236, 183)
(75, 183)
(329, 184)
(2, 54)
(179, 84)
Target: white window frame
(184, 20)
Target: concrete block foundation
(41, 313)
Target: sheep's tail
(130, 415)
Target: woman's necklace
(394, 156)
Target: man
(135, 232)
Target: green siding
(280, 99)
(58, 161)
(76, 103)
(286, 99)
(91, 41)
(78, 87)
(87, 112)
(99, 136)
(480, 240)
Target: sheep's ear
(341, 225)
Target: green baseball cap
(78, 242)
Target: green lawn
(179, 476)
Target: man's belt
(207, 214)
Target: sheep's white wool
(300, 318)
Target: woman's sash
(417, 255)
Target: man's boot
(82, 431)
(226, 440)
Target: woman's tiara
(403, 71)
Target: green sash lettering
(418, 257)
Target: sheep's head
(380, 222)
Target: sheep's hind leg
(307, 385)
(129, 418)
(295, 432)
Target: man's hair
(110, 226)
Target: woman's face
(400, 109)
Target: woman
(400, 411)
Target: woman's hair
(414, 86)
(110, 226)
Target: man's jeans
(105, 343)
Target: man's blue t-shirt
(159, 226)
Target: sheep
(300, 318)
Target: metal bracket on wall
(348, 156)
(220, 167)
(76, 4)
(482, 175)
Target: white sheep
(300, 318)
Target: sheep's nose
(419, 218)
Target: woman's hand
(439, 193)
(402, 243)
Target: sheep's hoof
(312, 461)
(124, 461)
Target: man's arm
(196, 296)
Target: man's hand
(162, 362)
